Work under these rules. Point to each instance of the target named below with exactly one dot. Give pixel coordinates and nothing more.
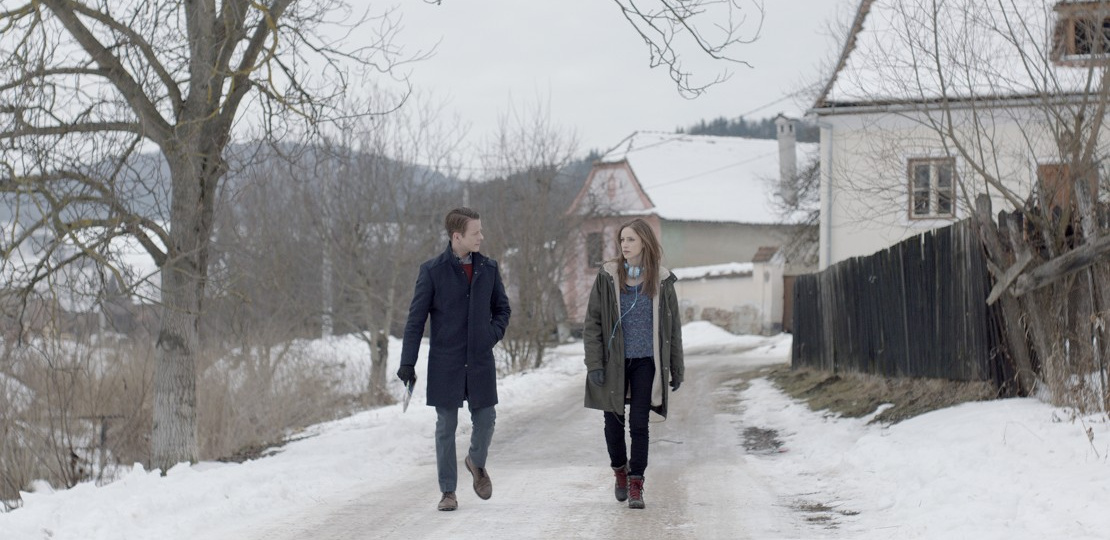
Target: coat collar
(448, 256)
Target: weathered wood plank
(1007, 278)
(1062, 266)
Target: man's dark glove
(597, 377)
(675, 383)
(407, 374)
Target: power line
(779, 100)
(729, 166)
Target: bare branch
(141, 43)
(250, 61)
(152, 121)
(91, 127)
(39, 74)
(661, 28)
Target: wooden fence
(916, 309)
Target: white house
(712, 200)
(932, 103)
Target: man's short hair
(458, 219)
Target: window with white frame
(932, 188)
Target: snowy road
(831, 478)
(551, 478)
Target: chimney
(788, 159)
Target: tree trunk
(327, 326)
(381, 373)
(378, 385)
(174, 435)
(194, 177)
(377, 340)
(379, 361)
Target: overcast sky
(584, 62)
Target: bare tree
(798, 205)
(388, 183)
(84, 86)
(529, 229)
(263, 286)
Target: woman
(633, 340)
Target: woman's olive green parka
(604, 342)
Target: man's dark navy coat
(468, 319)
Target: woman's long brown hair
(649, 261)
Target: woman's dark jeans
(638, 375)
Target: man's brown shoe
(482, 484)
(448, 502)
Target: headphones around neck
(633, 271)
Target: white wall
(754, 301)
(864, 179)
(768, 278)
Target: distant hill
(755, 129)
(143, 185)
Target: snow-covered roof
(707, 178)
(995, 49)
(714, 270)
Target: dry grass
(255, 402)
(858, 395)
(74, 413)
(70, 413)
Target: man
(461, 291)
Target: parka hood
(610, 267)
